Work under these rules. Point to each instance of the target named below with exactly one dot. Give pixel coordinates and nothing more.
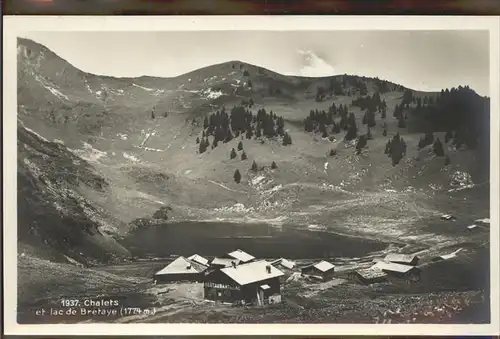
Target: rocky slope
(96, 153)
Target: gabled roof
(393, 267)
(371, 273)
(199, 259)
(284, 262)
(226, 262)
(252, 272)
(396, 257)
(287, 263)
(323, 266)
(181, 265)
(241, 255)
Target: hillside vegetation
(99, 156)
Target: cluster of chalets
(238, 277)
(235, 277)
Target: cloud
(314, 66)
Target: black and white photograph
(253, 176)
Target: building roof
(396, 257)
(199, 259)
(371, 273)
(393, 267)
(323, 266)
(284, 262)
(287, 263)
(241, 255)
(181, 265)
(252, 272)
(450, 255)
(226, 262)
(483, 221)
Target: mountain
(99, 156)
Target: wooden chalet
(256, 282)
(181, 270)
(241, 256)
(398, 270)
(223, 262)
(199, 259)
(322, 270)
(404, 259)
(369, 275)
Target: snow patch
(326, 166)
(122, 136)
(48, 86)
(257, 180)
(144, 88)
(59, 141)
(153, 149)
(32, 167)
(130, 157)
(211, 94)
(30, 130)
(89, 153)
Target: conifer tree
(240, 146)
(237, 176)
(205, 123)
(438, 148)
(197, 140)
(254, 166)
(384, 133)
(244, 156)
(273, 165)
(233, 154)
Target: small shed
(180, 270)
(483, 222)
(405, 259)
(370, 275)
(223, 262)
(447, 217)
(240, 255)
(323, 270)
(199, 259)
(447, 256)
(255, 282)
(284, 263)
(398, 270)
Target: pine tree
(273, 165)
(240, 146)
(362, 141)
(152, 114)
(203, 147)
(233, 154)
(237, 176)
(205, 123)
(401, 123)
(384, 133)
(333, 152)
(254, 166)
(244, 156)
(197, 140)
(214, 143)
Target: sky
(422, 60)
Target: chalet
(398, 270)
(447, 256)
(483, 222)
(447, 217)
(240, 255)
(255, 282)
(181, 269)
(369, 275)
(283, 263)
(199, 259)
(405, 259)
(323, 270)
(223, 262)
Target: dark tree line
(323, 122)
(240, 121)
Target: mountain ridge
(138, 135)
